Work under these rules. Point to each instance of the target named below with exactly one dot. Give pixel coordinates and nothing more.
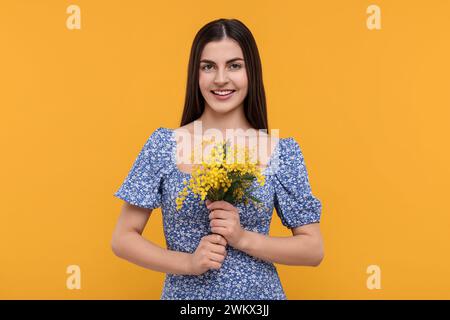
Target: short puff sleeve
(142, 186)
(294, 202)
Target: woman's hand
(210, 254)
(224, 220)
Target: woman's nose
(221, 76)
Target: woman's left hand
(224, 220)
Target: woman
(224, 91)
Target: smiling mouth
(222, 92)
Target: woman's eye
(206, 67)
(236, 65)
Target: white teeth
(222, 93)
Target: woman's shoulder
(162, 131)
(160, 135)
(289, 149)
(286, 155)
(158, 143)
(280, 145)
(156, 153)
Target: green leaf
(248, 176)
(254, 198)
(229, 198)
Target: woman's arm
(128, 243)
(304, 248)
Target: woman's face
(222, 68)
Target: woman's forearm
(300, 250)
(133, 247)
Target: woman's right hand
(210, 253)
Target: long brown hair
(255, 102)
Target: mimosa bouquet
(222, 177)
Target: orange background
(370, 109)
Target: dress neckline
(173, 140)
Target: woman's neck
(234, 119)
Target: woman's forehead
(221, 51)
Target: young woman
(236, 261)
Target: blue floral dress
(155, 181)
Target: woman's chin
(222, 108)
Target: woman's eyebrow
(210, 61)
